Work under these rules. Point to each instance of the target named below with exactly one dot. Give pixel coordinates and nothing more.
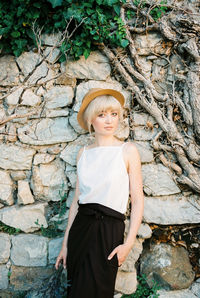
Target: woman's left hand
(122, 252)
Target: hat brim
(92, 94)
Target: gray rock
(64, 79)
(58, 97)
(47, 131)
(3, 277)
(18, 175)
(144, 231)
(74, 123)
(24, 218)
(95, 67)
(49, 181)
(13, 98)
(23, 110)
(69, 168)
(30, 99)
(142, 133)
(123, 130)
(54, 249)
(170, 210)
(48, 77)
(176, 294)
(61, 220)
(4, 248)
(72, 178)
(145, 150)
(160, 174)
(52, 54)
(167, 265)
(145, 43)
(56, 149)
(28, 61)
(40, 73)
(10, 73)
(52, 39)
(12, 132)
(24, 193)
(146, 65)
(56, 113)
(25, 278)
(70, 151)
(29, 250)
(15, 158)
(117, 295)
(142, 118)
(195, 288)
(2, 113)
(126, 282)
(43, 158)
(6, 188)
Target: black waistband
(99, 210)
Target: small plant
(9, 275)
(9, 230)
(51, 231)
(143, 290)
(159, 11)
(59, 209)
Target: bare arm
(137, 195)
(72, 214)
(137, 203)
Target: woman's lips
(109, 127)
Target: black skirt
(95, 232)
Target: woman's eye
(115, 114)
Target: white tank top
(103, 177)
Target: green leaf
(86, 53)
(124, 43)
(117, 9)
(15, 34)
(37, 4)
(111, 2)
(4, 30)
(55, 3)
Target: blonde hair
(100, 104)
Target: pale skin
(104, 136)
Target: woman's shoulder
(131, 149)
(130, 145)
(80, 151)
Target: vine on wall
(100, 23)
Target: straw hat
(92, 94)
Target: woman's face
(106, 122)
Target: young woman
(107, 172)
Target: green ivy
(8, 229)
(99, 21)
(98, 18)
(143, 290)
(60, 208)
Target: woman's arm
(137, 195)
(72, 214)
(137, 203)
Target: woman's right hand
(61, 258)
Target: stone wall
(39, 141)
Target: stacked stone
(38, 164)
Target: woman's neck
(103, 141)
